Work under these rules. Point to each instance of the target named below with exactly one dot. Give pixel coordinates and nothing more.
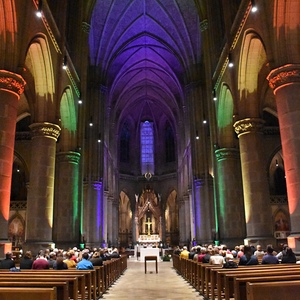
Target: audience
(184, 253)
(84, 264)
(27, 261)
(60, 264)
(8, 262)
(289, 256)
(270, 258)
(248, 258)
(41, 262)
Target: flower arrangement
(166, 257)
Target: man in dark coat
(8, 262)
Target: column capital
(248, 125)
(12, 82)
(70, 156)
(227, 153)
(97, 185)
(45, 129)
(283, 76)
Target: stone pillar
(110, 220)
(95, 215)
(115, 222)
(202, 212)
(11, 87)
(230, 204)
(182, 222)
(285, 82)
(258, 214)
(187, 217)
(39, 223)
(66, 230)
(105, 224)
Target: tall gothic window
(124, 143)
(170, 143)
(147, 147)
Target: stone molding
(70, 156)
(284, 75)
(45, 129)
(97, 185)
(12, 82)
(227, 153)
(249, 125)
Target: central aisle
(135, 284)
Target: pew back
(276, 290)
(27, 293)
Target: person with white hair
(184, 253)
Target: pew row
(240, 284)
(276, 290)
(91, 284)
(27, 293)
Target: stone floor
(135, 284)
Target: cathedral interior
(128, 118)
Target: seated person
(85, 264)
(8, 262)
(270, 258)
(248, 258)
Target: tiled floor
(135, 284)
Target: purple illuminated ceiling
(145, 49)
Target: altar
(148, 252)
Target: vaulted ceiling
(145, 50)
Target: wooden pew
(62, 291)
(41, 277)
(27, 293)
(225, 277)
(276, 290)
(240, 283)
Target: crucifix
(148, 225)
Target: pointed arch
(38, 61)
(252, 59)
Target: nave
(166, 284)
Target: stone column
(230, 205)
(202, 213)
(115, 222)
(285, 82)
(187, 218)
(182, 222)
(66, 231)
(95, 215)
(39, 223)
(109, 220)
(258, 214)
(11, 87)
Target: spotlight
(254, 7)
(99, 138)
(65, 63)
(91, 122)
(230, 61)
(39, 11)
(79, 101)
(214, 95)
(197, 135)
